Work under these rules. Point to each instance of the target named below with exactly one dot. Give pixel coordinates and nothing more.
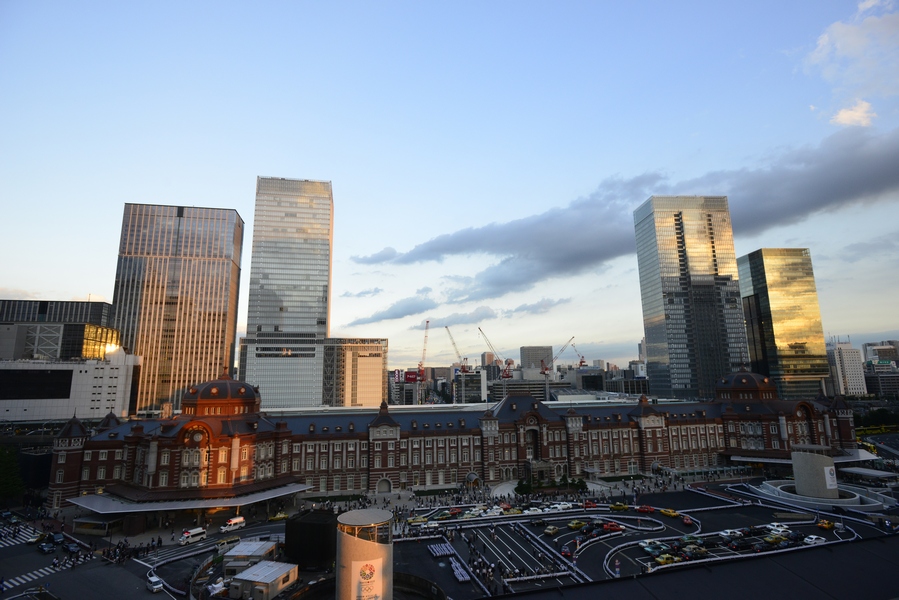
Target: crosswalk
(32, 577)
(25, 532)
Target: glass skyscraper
(175, 298)
(783, 321)
(290, 292)
(692, 315)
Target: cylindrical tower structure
(365, 555)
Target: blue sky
(485, 157)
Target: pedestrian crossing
(25, 532)
(32, 577)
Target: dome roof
(73, 428)
(223, 388)
(743, 380)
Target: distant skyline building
(884, 350)
(487, 358)
(531, 356)
(847, 370)
(56, 330)
(783, 320)
(692, 314)
(175, 297)
(354, 370)
(288, 317)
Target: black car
(566, 551)
(785, 544)
(587, 529)
(793, 536)
(761, 547)
(72, 547)
(57, 538)
(538, 522)
(739, 544)
(46, 548)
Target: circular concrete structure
(365, 555)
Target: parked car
(691, 539)
(576, 524)
(813, 540)
(771, 526)
(669, 512)
(786, 544)
(458, 511)
(732, 533)
(417, 520)
(761, 547)
(588, 504)
(280, 516)
(740, 544)
(443, 515)
(618, 506)
(774, 539)
(656, 549)
(551, 530)
(667, 559)
(693, 552)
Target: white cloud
(861, 57)
(858, 115)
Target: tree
(11, 484)
(523, 487)
(563, 481)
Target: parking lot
(523, 552)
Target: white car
(773, 526)
(814, 539)
(732, 533)
(493, 512)
(563, 506)
(154, 584)
(779, 530)
(532, 511)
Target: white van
(192, 535)
(232, 524)
(154, 584)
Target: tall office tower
(56, 330)
(532, 355)
(354, 371)
(783, 321)
(846, 369)
(487, 358)
(290, 291)
(641, 350)
(692, 315)
(175, 299)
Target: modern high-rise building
(354, 371)
(783, 321)
(56, 330)
(290, 291)
(884, 350)
(692, 314)
(531, 357)
(847, 370)
(175, 299)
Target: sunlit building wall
(783, 320)
(354, 371)
(290, 291)
(846, 369)
(692, 314)
(176, 293)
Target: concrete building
(534, 357)
(365, 554)
(846, 369)
(783, 321)
(263, 581)
(246, 554)
(353, 372)
(175, 299)
(692, 315)
(289, 310)
(41, 390)
(885, 350)
(882, 378)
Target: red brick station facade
(223, 451)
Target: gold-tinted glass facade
(783, 320)
(176, 292)
(692, 315)
(290, 291)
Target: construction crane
(421, 365)
(463, 364)
(583, 361)
(546, 370)
(507, 363)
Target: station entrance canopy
(855, 455)
(107, 504)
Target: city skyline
(480, 179)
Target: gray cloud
(384, 255)
(545, 305)
(850, 167)
(482, 313)
(397, 310)
(884, 244)
(363, 293)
